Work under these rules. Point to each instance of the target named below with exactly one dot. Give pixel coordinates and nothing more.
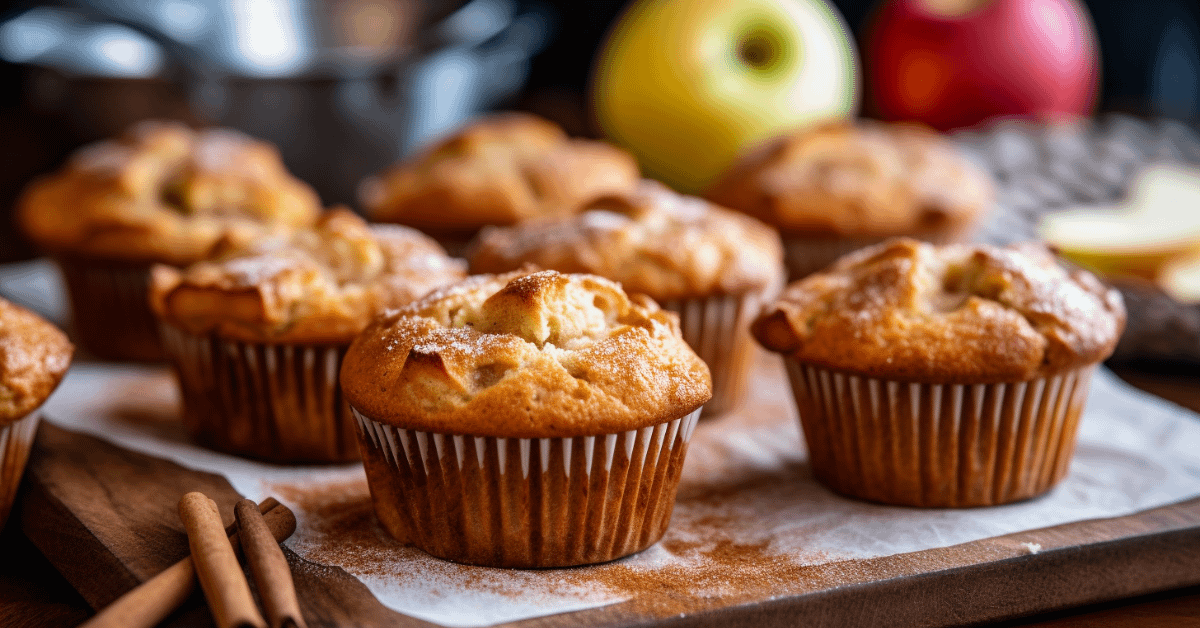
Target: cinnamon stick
(149, 603)
(272, 575)
(217, 566)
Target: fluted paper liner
(804, 256)
(938, 445)
(110, 309)
(16, 441)
(718, 330)
(280, 403)
(525, 502)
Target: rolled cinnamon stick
(149, 603)
(217, 566)
(272, 575)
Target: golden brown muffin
(911, 311)
(525, 356)
(525, 420)
(946, 376)
(257, 334)
(651, 240)
(864, 179)
(34, 356)
(321, 285)
(163, 193)
(839, 187)
(498, 170)
(711, 266)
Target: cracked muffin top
(34, 356)
(653, 240)
(525, 355)
(164, 193)
(499, 170)
(910, 311)
(863, 179)
(318, 285)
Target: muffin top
(652, 240)
(164, 193)
(525, 355)
(318, 285)
(34, 356)
(499, 170)
(866, 179)
(910, 311)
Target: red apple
(954, 63)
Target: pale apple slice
(1159, 221)
(1180, 278)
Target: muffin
(713, 267)
(497, 171)
(842, 186)
(257, 333)
(525, 420)
(943, 376)
(34, 356)
(163, 193)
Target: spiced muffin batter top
(858, 179)
(652, 240)
(319, 285)
(498, 170)
(34, 356)
(525, 355)
(910, 311)
(164, 193)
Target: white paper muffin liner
(718, 330)
(280, 403)
(938, 445)
(525, 502)
(16, 441)
(110, 309)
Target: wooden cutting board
(105, 517)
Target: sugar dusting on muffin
(319, 285)
(34, 356)
(908, 310)
(164, 193)
(652, 240)
(557, 355)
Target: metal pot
(343, 88)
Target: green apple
(687, 84)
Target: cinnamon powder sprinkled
(718, 550)
(741, 532)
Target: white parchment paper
(745, 485)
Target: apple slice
(1159, 221)
(1180, 278)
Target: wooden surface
(105, 518)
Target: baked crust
(909, 311)
(319, 285)
(34, 356)
(863, 179)
(499, 170)
(164, 193)
(521, 355)
(652, 240)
